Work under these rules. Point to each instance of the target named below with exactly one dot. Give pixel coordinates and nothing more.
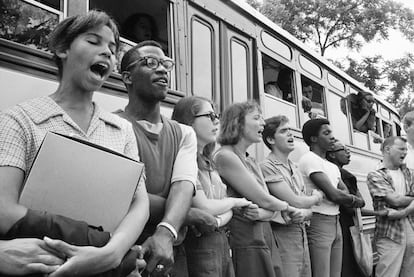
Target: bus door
(204, 60)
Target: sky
(395, 47)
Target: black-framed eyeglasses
(213, 116)
(154, 63)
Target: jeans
(254, 248)
(396, 259)
(325, 245)
(209, 255)
(294, 251)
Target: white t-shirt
(398, 181)
(312, 163)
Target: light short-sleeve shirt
(312, 163)
(23, 127)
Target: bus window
(202, 58)
(337, 108)
(29, 23)
(313, 100)
(386, 129)
(363, 111)
(138, 21)
(278, 79)
(239, 70)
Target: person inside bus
(324, 232)
(169, 151)
(254, 250)
(139, 27)
(363, 112)
(391, 188)
(84, 48)
(208, 254)
(310, 106)
(340, 155)
(273, 89)
(285, 182)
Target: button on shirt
(380, 183)
(23, 127)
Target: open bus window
(278, 79)
(313, 102)
(363, 111)
(138, 21)
(29, 23)
(386, 129)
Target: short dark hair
(311, 128)
(133, 54)
(232, 122)
(389, 141)
(69, 29)
(271, 126)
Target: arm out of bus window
(335, 195)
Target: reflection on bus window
(337, 108)
(313, 102)
(27, 23)
(202, 58)
(278, 79)
(139, 20)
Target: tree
(394, 77)
(333, 23)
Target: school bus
(224, 50)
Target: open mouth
(100, 69)
(162, 81)
(291, 140)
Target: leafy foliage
(352, 23)
(27, 24)
(334, 23)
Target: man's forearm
(178, 203)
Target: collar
(273, 158)
(381, 166)
(44, 108)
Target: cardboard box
(81, 180)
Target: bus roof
(299, 44)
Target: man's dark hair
(132, 54)
(311, 128)
(271, 126)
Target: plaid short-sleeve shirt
(380, 183)
(23, 127)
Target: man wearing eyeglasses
(392, 188)
(168, 150)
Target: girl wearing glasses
(340, 155)
(253, 246)
(208, 254)
(84, 49)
